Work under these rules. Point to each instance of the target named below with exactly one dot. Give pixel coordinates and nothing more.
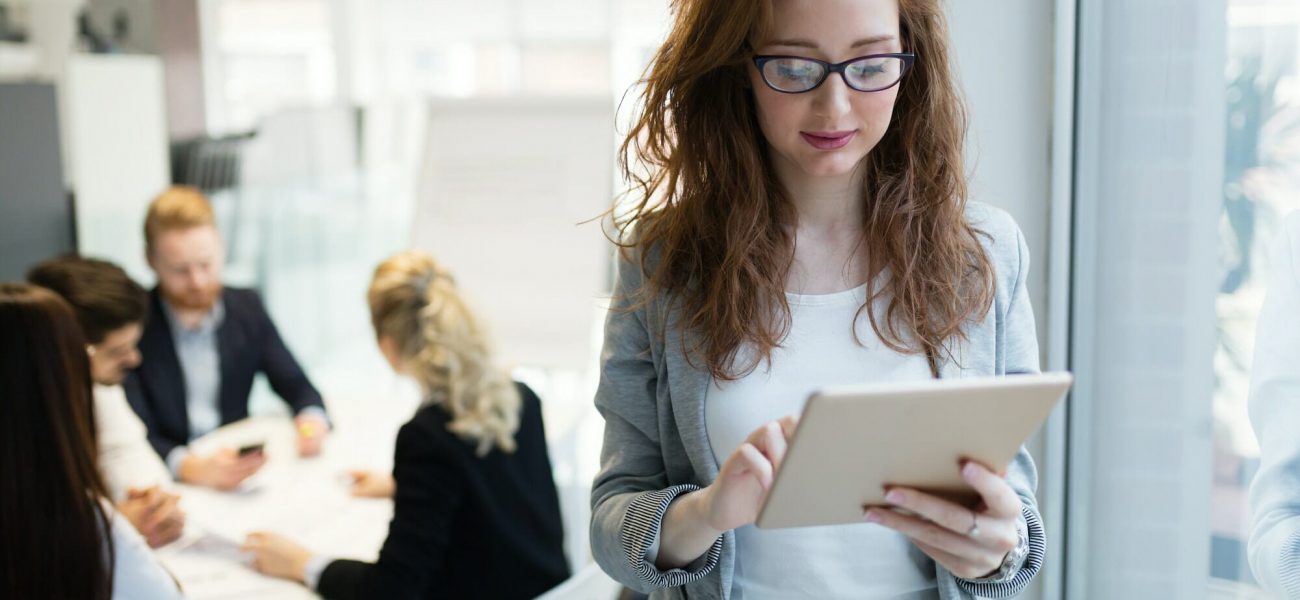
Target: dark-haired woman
(59, 534)
(802, 221)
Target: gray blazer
(656, 446)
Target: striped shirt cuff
(1033, 562)
(641, 527)
(1289, 565)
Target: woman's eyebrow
(802, 43)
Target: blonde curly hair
(414, 301)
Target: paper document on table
(212, 567)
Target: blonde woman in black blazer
(475, 512)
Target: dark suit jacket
(463, 526)
(247, 343)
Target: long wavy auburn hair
(705, 202)
(414, 300)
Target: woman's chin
(830, 166)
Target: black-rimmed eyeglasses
(796, 74)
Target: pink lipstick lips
(828, 140)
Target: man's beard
(196, 302)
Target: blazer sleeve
(429, 490)
(1274, 405)
(136, 397)
(631, 492)
(1018, 354)
(282, 370)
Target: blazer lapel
(687, 386)
(165, 380)
(230, 337)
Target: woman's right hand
(695, 520)
(735, 497)
(372, 484)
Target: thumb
(752, 461)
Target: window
(1261, 185)
(1188, 156)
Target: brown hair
(414, 301)
(53, 525)
(180, 207)
(101, 294)
(708, 205)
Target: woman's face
(829, 130)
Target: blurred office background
(1147, 149)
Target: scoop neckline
(856, 295)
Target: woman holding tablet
(801, 221)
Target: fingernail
(873, 516)
(968, 470)
(894, 497)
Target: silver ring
(974, 525)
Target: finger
(1000, 499)
(166, 533)
(788, 425)
(175, 522)
(772, 444)
(159, 513)
(951, 516)
(170, 528)
(927, 532)
(755, 462)
(241, 476)
(246, 469)
(956, 565)
(150, 497)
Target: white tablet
(853, 441)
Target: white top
(136, 571)
(844, 561)
(1275, 413)
(125, 457)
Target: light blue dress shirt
(196, 349)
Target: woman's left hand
(969, 543)
(277, 556)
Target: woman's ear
(388, 347)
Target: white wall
(117, 128)
(1004, 61)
